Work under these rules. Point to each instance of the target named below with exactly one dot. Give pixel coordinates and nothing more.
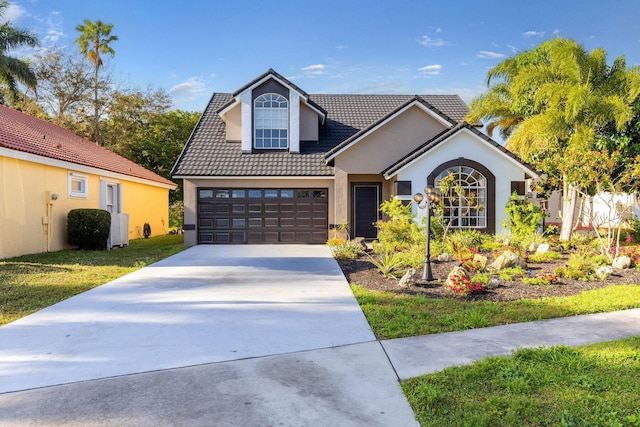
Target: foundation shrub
(88, 228)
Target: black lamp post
(428, 197)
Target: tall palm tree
(93, 41)
(13, 70)
(557, 97)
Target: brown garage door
(262, 215)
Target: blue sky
(194, 48)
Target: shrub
(463, 243)
(387, 263)
(88, 228)
(345, 249)
(462, 285)
(511, 273)
(544, 257)
(524, 217)
(414, 257)
(400, 232)
(579, 267)
(481, 278)
(544, 279)
(632, 252)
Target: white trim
(83, 193)
(62, 164)
(487, 143)
(269, 76)
(247, 123)
(387, 120)
(196, 177)
(294, 122)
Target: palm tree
(93, 41)
(557, 97)
(12, 70)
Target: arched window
(466, 201)
(271, 121)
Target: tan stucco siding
(469, 146)
(308, 124)
(191, 186)
(26, 205)
(389, 143)
(234, 124)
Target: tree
(13, 70)
(64, 87)
(555, 99)
(93, 41)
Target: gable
(463, 141)
(389, 142)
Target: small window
(270, 194)
(238, 194)
(286, 194)
(222, 194)
(206, 194)
(78, 185)
(255, 194)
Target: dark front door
(366, 202)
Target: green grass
(394, 316)
(595, 385)
(32, 282)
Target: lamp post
(428, 197)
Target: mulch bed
(362, 272)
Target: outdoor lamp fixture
(428, 197)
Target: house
(271, 163)
(46, 171)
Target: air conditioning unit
(119, 235)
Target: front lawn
(393, 315)
(595, 385)
(31, 282)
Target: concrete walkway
(235, 336)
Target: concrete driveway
(215, 335)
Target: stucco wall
(466, 145)
(390, 143)
(234, 124)
(190, 187)
(308, 124)
(24, 187)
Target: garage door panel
(262, 215)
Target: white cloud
(187, 90)
(486, 54)
(314, 70)
(13, 12)
(556, 31)
(341, 47)
(430, 70)
(429, 42)
(438, 30)
(533, 33)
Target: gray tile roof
(208, 154)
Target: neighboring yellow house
(46, 171)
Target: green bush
(345, 249)
(413, 257)
(579, 267)
(88, 228)
(511, 273)
(524, 217)
(463, 243)
(400, 231)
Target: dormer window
(271, 121)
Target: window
(78, 185)
(271, 121)
(465, 203)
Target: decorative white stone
(533, 247)
(604, 271)
(621, 262)
(543, 248)
(494, 282)
(445, 257)
(507, 259)
(408, 279)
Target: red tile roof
(21, 132)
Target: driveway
(224, 335)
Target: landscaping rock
(456, 272)
(543, 248)
(408, 279)
(481, 260)
(360, 242)
(621, 262)
(507, 259)
(604, 271)
(533, 247)
(445, 257)
(494, 282)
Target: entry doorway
(366, 205)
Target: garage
(262, 215)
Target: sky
(192, 49)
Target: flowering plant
(462, 285)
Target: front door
(366, 205)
